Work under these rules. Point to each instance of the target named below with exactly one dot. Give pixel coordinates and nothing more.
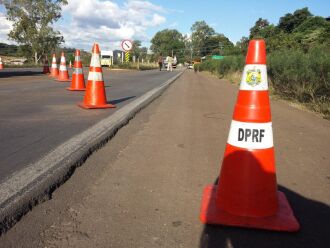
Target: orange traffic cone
(1, 64)
(95, 96)
(46, 66)
(63, 75)
(54, 69)
(70, 64)
(78, 81)
(246, 194)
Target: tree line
(300, 30)
(298, 58)
(35, 36)
(32, 26)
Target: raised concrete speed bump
(36, 182)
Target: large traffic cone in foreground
(95, 96)
(63, 74)
(78, 80)
(54, 69)
(246, 194)
(46, 66)
(1, 64)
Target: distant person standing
(160, 62)
(175, 61)
(169, 60)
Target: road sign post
(127, 46)
(126, 57)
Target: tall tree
(201, 32)
(136, 48)
(291, 21)
(315, 30)
(188, 48)
(168, 41)
(242, 44)
(255, 31)
(138, 51)
(32, 24)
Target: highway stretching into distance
(37, 114)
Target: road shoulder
(143, 189)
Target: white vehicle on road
(106, 58)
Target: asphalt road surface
(37, 114)
(144, 187)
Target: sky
(108, 22)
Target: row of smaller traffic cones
(95, 96)
(60, 74)
(78, 80)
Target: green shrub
(222, 67)
(293, 74)
(304, 77)
(133, 66)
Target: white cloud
(106, 22)
(5, 27)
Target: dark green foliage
(293, 74)
(259, 26)
(32, 25)
(302, 76)
(300, 30)
(138, 51)
(205, 41)
(8, 50)
(201, 38)
(222, 67)
(291, 21)
(166, 41)
(134, 66)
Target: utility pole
(220, 47)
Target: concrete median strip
(34, 184)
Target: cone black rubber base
(100, 106)
(283, 220)
(73, 89)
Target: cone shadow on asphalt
(4, 74)
(120, 100)
(313, 216)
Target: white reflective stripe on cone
(62, 68)
(77, 58)
(54, 65)
(95, 76)
(95, 60)
(62, 59)
(254, 77)
(54, 60)
(251, 135)
(78, 71)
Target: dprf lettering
(254, 135)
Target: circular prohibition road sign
(127, 45)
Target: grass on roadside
(135, 66)
(301, 78)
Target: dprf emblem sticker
(253, 77)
